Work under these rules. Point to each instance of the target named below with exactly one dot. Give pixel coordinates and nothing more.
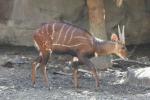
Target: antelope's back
(63, 36)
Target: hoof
(33, 85)
(49, 88)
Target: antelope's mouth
(125, 58)
(122, 57)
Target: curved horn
(119, 33)
(123, 34)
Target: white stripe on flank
(68, 45)
(60, 32)
(72, 34)
(42, 29)
(67, 32)
(47, 26)
(47, 29)
(53, 29)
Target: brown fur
(65, 38)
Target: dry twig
(128, 63)
(70, 74)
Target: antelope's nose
(125, 58)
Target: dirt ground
(15, 80)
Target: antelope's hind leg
(35, 65)
(91, 67)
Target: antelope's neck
(104, 47)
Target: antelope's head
(120, 48)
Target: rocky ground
(15, 80)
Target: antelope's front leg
(45, 58)
(75, 72)
(91, 67)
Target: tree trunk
(97, 28)
(97, 18)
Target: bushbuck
(60, 37)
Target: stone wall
(18, 22)
(19, 18)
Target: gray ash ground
(15, 81)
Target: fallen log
(70, 74)
(127, 63)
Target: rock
(8, 61)
(139, 77)
(8, 65)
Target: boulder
(139, 77)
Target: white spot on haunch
(75, 59)
(96, 54)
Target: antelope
(60, 37)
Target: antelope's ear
(114, 37)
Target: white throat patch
(98, 39)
